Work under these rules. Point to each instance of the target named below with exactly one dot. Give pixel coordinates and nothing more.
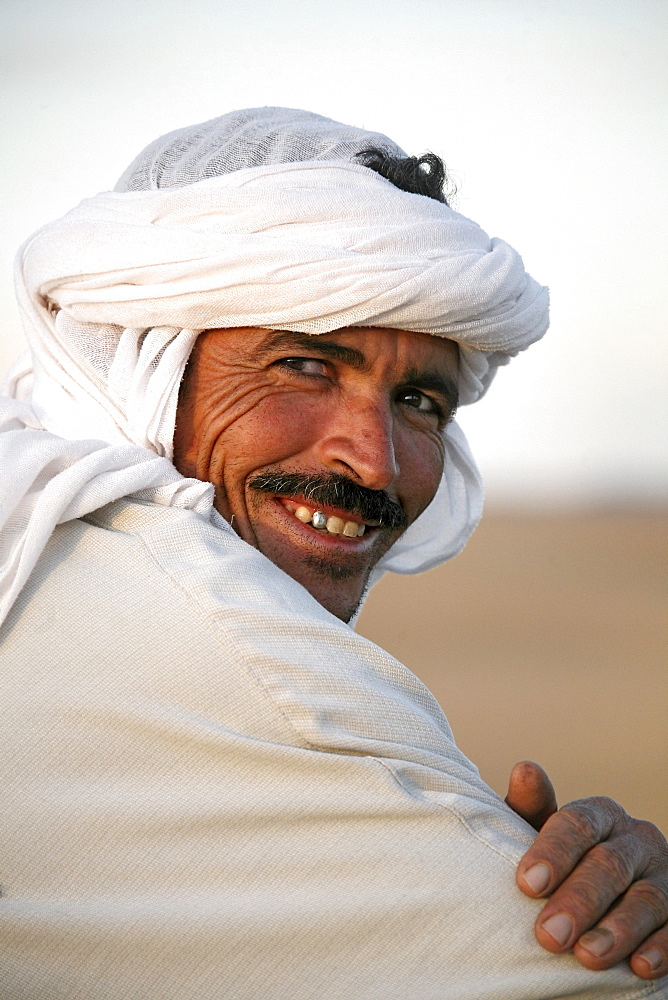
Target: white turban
(114, 295)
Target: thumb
(530, 793)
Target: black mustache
(334, 491)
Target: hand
(605, 872)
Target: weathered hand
(605, 872)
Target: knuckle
(651, 836)
(585, 898)
(617, 865)
(597, 803)
(574, 821)
(593, 817)
(652, 898)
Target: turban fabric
(114, 295)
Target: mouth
(327, 521)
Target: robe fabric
(212, 788)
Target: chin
(334, 569)
(338, 586)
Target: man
(218, 789)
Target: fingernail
(598, 941)
(653, 957)
(538, 878)
(560, 927)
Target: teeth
(334, 525)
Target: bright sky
(551, 115)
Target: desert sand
(546, 639)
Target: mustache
(334, 490)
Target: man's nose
(358, 442)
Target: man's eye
(305, 366)
(419, 401)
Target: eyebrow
(431, 380)
(289, 340)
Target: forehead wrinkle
(289, 340)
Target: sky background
(550, 114)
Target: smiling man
(237, 413)
(322, 457)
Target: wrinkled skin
(605, 872)
(372, 404)
(368, 404)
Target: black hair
(424, 174)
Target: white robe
(215, 789)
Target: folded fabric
(114, 295)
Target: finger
(604, 875)
(650, 961)
(627, 928)
(531, 794)
(564, 840)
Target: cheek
(421, 469)
(275, 428)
